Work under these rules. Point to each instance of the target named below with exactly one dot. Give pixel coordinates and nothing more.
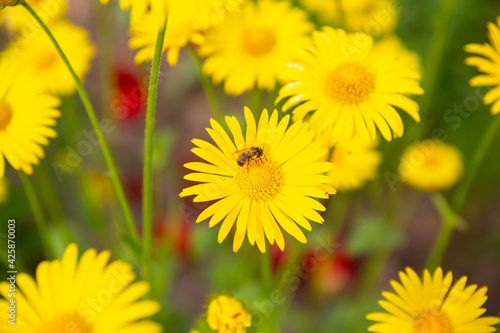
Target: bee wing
(239, 152)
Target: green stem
(36, 208)
(95, 124)
(432, 64)
(49, 197)
(444, 236)
(257, 101)
(267, 278)
(449, 216)
(270, 325)
(207, 87)
(147, 191)
(478, 157)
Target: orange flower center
(45, 60)
(5, 115)
(432, 321)
(349, 83)
(260, 179)
(258, 41)
(66, 324)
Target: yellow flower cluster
(33, 75)
(86, 295)
(186, 22)
(375, 17)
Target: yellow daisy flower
(250, 48)
(272, 187)
(431, 165)
(488, 63)
(27, 115)
(375, 17)
(227, 315)
(18, 19)
(355, 162)
(85, 296)
(186, 23)
(351, 87)
(327, 11)
(432, 305)
(47, 65)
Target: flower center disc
(260, 179)
(66, 324)
(45, 60)
(5, 115)
(432, 321)
(349, 83)
(258, 41)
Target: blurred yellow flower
(273, 187)
(375, 17)
(488, 63)
(250, 48)
(431, 165)
(227, 315)
(355, 162)
(392, 44)
(48, 67)
(327, 11)
(186, 23)
(4, 190)
(350, 87)
(85, 296)
(27, 115)
(429, 305)
(137, 7)
(18, 19)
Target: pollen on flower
(260, 180)
(66, 323)
(349, 83)
(432, 321)
(258, 41)
(5, 115)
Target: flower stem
(267, 278)
(449, 217)
(147, 190)
(207, 87)
(433, 60)
(38, 214)
(49, 198)
(479, 154)
(95, 124)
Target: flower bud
(6, 3)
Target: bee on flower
(270, 185)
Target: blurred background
(368, 235)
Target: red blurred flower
(130, 96)
(175, 231)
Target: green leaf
(373, 234)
